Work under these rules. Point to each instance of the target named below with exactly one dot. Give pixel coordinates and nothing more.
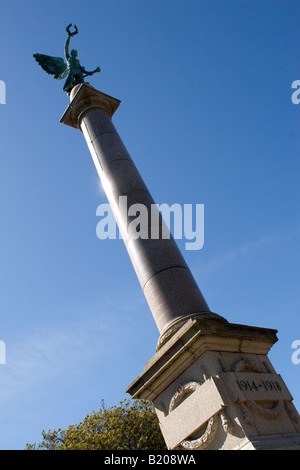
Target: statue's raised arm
(70, 34)
(71, 69)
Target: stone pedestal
(214, 388)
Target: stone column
(168, 285)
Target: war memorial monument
(211, 382)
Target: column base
(213, 387)
(171, 328)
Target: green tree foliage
(131, 426)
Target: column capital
(84, 98)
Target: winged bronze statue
(70, 68)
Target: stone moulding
(181, 392)
(266, 413)
(172, 328)
(206, 439)
(86, 98)
(210, 432)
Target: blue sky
(206, 114)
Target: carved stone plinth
(214, 388)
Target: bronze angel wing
(53, 65)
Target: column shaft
(167, 282)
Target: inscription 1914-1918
(256, 386)
(267, 385)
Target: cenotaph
(211, 381)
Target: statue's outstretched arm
(90, 73)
